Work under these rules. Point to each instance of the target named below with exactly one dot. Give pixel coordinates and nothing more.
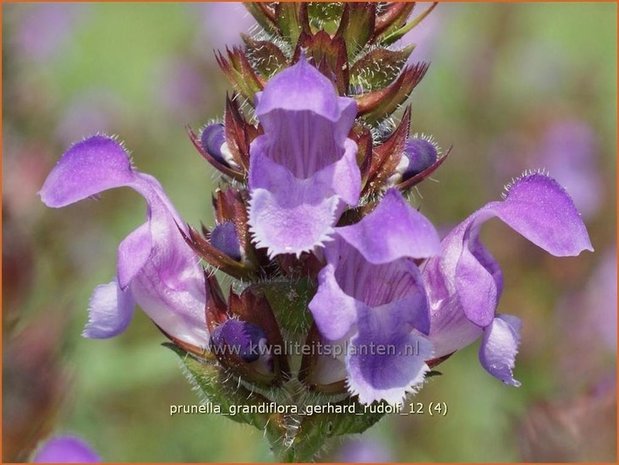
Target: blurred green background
(511, 87)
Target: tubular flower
(371, 294)
(464, 282)
(156, 269)
(303, 170)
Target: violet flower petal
(371, 293)
(464, 283)
(213, 140)
(295, 215)
(537, 207)
(303, 170)
(349, 285)
(334, 311)
(386, 359)
(65, 449)
(499, 347)
(393, 230)
(300, 88)
(87, 168)
(155, 265)
(109, 312)
(419, 154)
(133, 253)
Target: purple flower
(569, 149)
(366, 450)
(95, 110)
(303, 170)
(65, 449)
(156, 269)
(587, 317)
(464, 282)
(371, 294)
(600, 297)
(42, 30)
(222, 24)
(181, 88)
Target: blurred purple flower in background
(581, 428)
(35, 380)
(221, 25)
(43, 29)
(568, 149)
(181, 88)
(96, 110)
(424, 36)
(601, 299)
(65, 449)
(26, 160)
(588, 318)
(580, 425)
(364, 450)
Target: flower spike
(312, 234)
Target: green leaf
(263, 16)
(379, 68)
(325, 16)
(288, 21)
(357, 25)
(265, 56)
(378, 104)
(292, 436)
(220, 388)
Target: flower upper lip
(156, 268)
(303, 169)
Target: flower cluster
(313, 223)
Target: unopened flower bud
(419, 154)
(225, 237)
(242, 339)
(213, 141)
